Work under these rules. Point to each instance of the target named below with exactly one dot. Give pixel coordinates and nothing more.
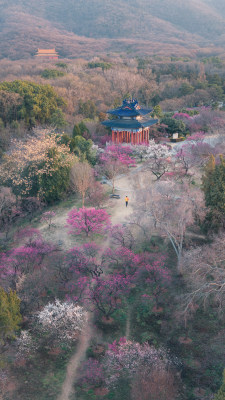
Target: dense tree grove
(39, 167)
(28, 101)
(135, 295)
(214, 190)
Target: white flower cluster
(62, 319)
(25, 343)
(153, 150)
(130, 357)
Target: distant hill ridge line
(60, 24)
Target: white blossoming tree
(126, 358)
(32, 165)
(156, 157)
(62, 320)
(152, 150)
(26, 343)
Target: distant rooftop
(129, 108)
(48, 53)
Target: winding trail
(74, 363)
(119, 215)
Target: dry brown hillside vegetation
(91, 87)
(140, 27)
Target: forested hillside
(66, 25)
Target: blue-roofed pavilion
(131, 123)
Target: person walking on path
(126, 200)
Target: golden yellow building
(47, 54)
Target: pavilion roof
(130, 108)
(46, 51)
(129, 124)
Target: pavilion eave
(129, 124)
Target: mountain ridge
(53, 23)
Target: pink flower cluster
(182, 116)
(83, 260)
(92, 373)
(87, 220)
(119, 154)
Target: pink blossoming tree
(25, 259)
(87, 221)
(84, 261)
(122, 260)
(92, 373)
(29, 235)
(122, 236)
(48, 217)
(102, 294)
(154, 277)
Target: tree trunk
(113, 187)
(82, 200)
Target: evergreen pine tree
(76, 131)
(157, 111)
(214, 185)
(83, 128)
(10, 316)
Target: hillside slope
(55, 22)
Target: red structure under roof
(131, 123)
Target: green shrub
(103, 65)
(88, 109)
(10, 316)
(61, 65)
(52, 74)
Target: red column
(148, 136)
(117, 137)
(113, 137)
